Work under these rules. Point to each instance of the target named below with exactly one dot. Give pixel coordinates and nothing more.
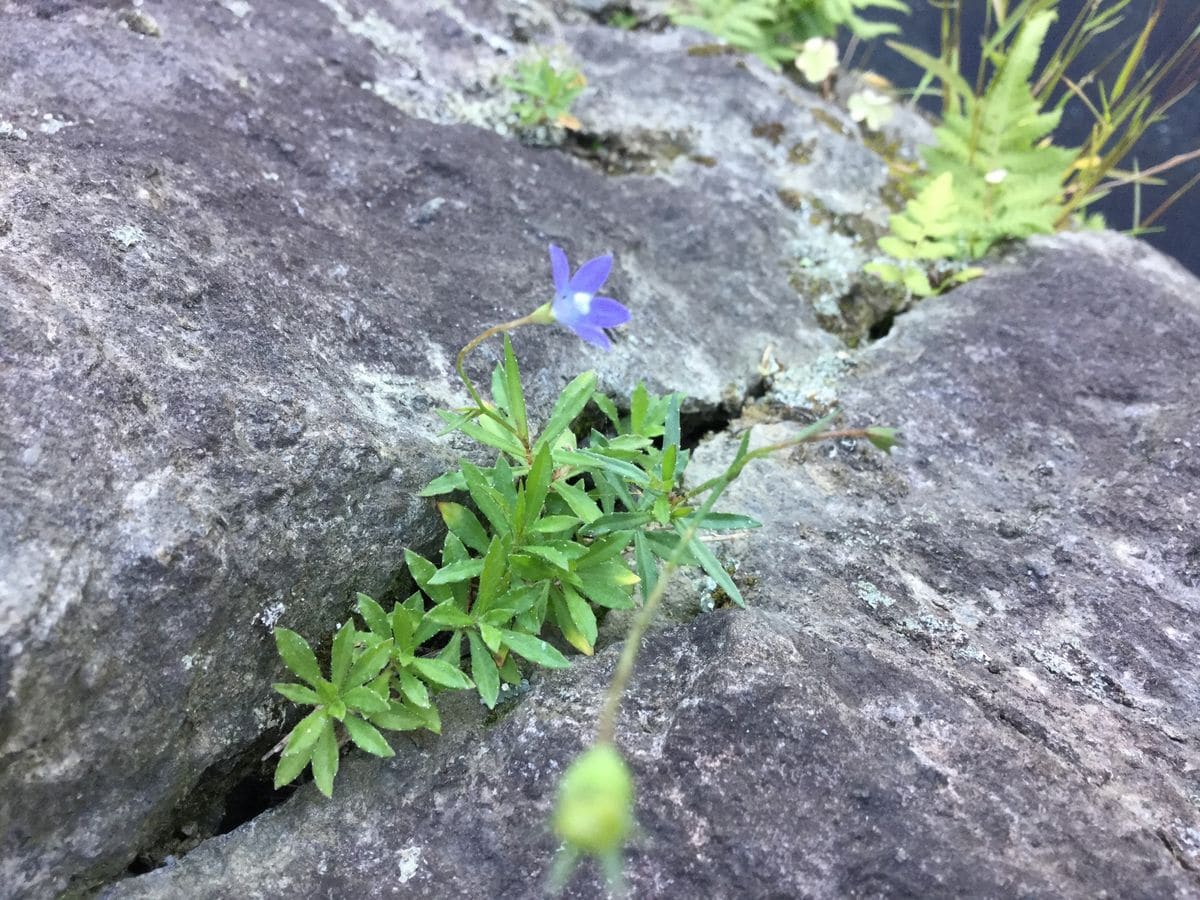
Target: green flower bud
(595, 802)
(883, 438)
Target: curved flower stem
(460, 360)
(607, 722)
(804, 438)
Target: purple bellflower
(576, 303)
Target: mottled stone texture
(238, 250)
(968, 670)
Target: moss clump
(769, 131)
(801, 153)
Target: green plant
(772, 29)
(543, 543)
(546, 92)
(926, 234)
(1008, 179)
(563, 525)
(623, 19)
(559, 529)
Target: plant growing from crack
(545, 91)
(560, 528)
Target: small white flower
(817, 59)
(871, 107)
(996, 176)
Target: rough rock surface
(968, 670)
(239, 246)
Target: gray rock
(234, 273)
(918, 703)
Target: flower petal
(592, 335)
(560, 267)
(591, 275)
(606, 312)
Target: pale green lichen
(873, 597)
(126, 237)
(812, 387)
(12, 132)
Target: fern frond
(1007, 179)
(745, 24)
(929, 230)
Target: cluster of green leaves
(772, 29)
(544, 542)
(623, 19)
(924, 236)
(993, 173)
(546, 92)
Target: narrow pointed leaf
(343, 654)
(578, 500)
(484, 670)
(404, 629)
(440, 672)
(551, 554)
(487, 498)
(582, 615)
(298, 693)
(325, 760)
(491, 636)
(463, 570)
(366, 700)
(399, 717)
(715, 570)
(290, 766)
(465, 524)
(555, 524)
(622, 521)
(366, 737)
(607, 407)
(297, 655)
(298, 750)
(588, 459)
(485, 430)
(492, 579)
(647, 568)
(570, 404)
(413, 689)
(448, 614)
(671, 436)
(422, 570)
(369, 664)
(534, 649)
(537, 483)
(444, 484)
(512, 385)
(372, 613)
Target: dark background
(1180, 132)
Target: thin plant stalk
(471, 345)
(817, 431)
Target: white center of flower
(583, 302)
